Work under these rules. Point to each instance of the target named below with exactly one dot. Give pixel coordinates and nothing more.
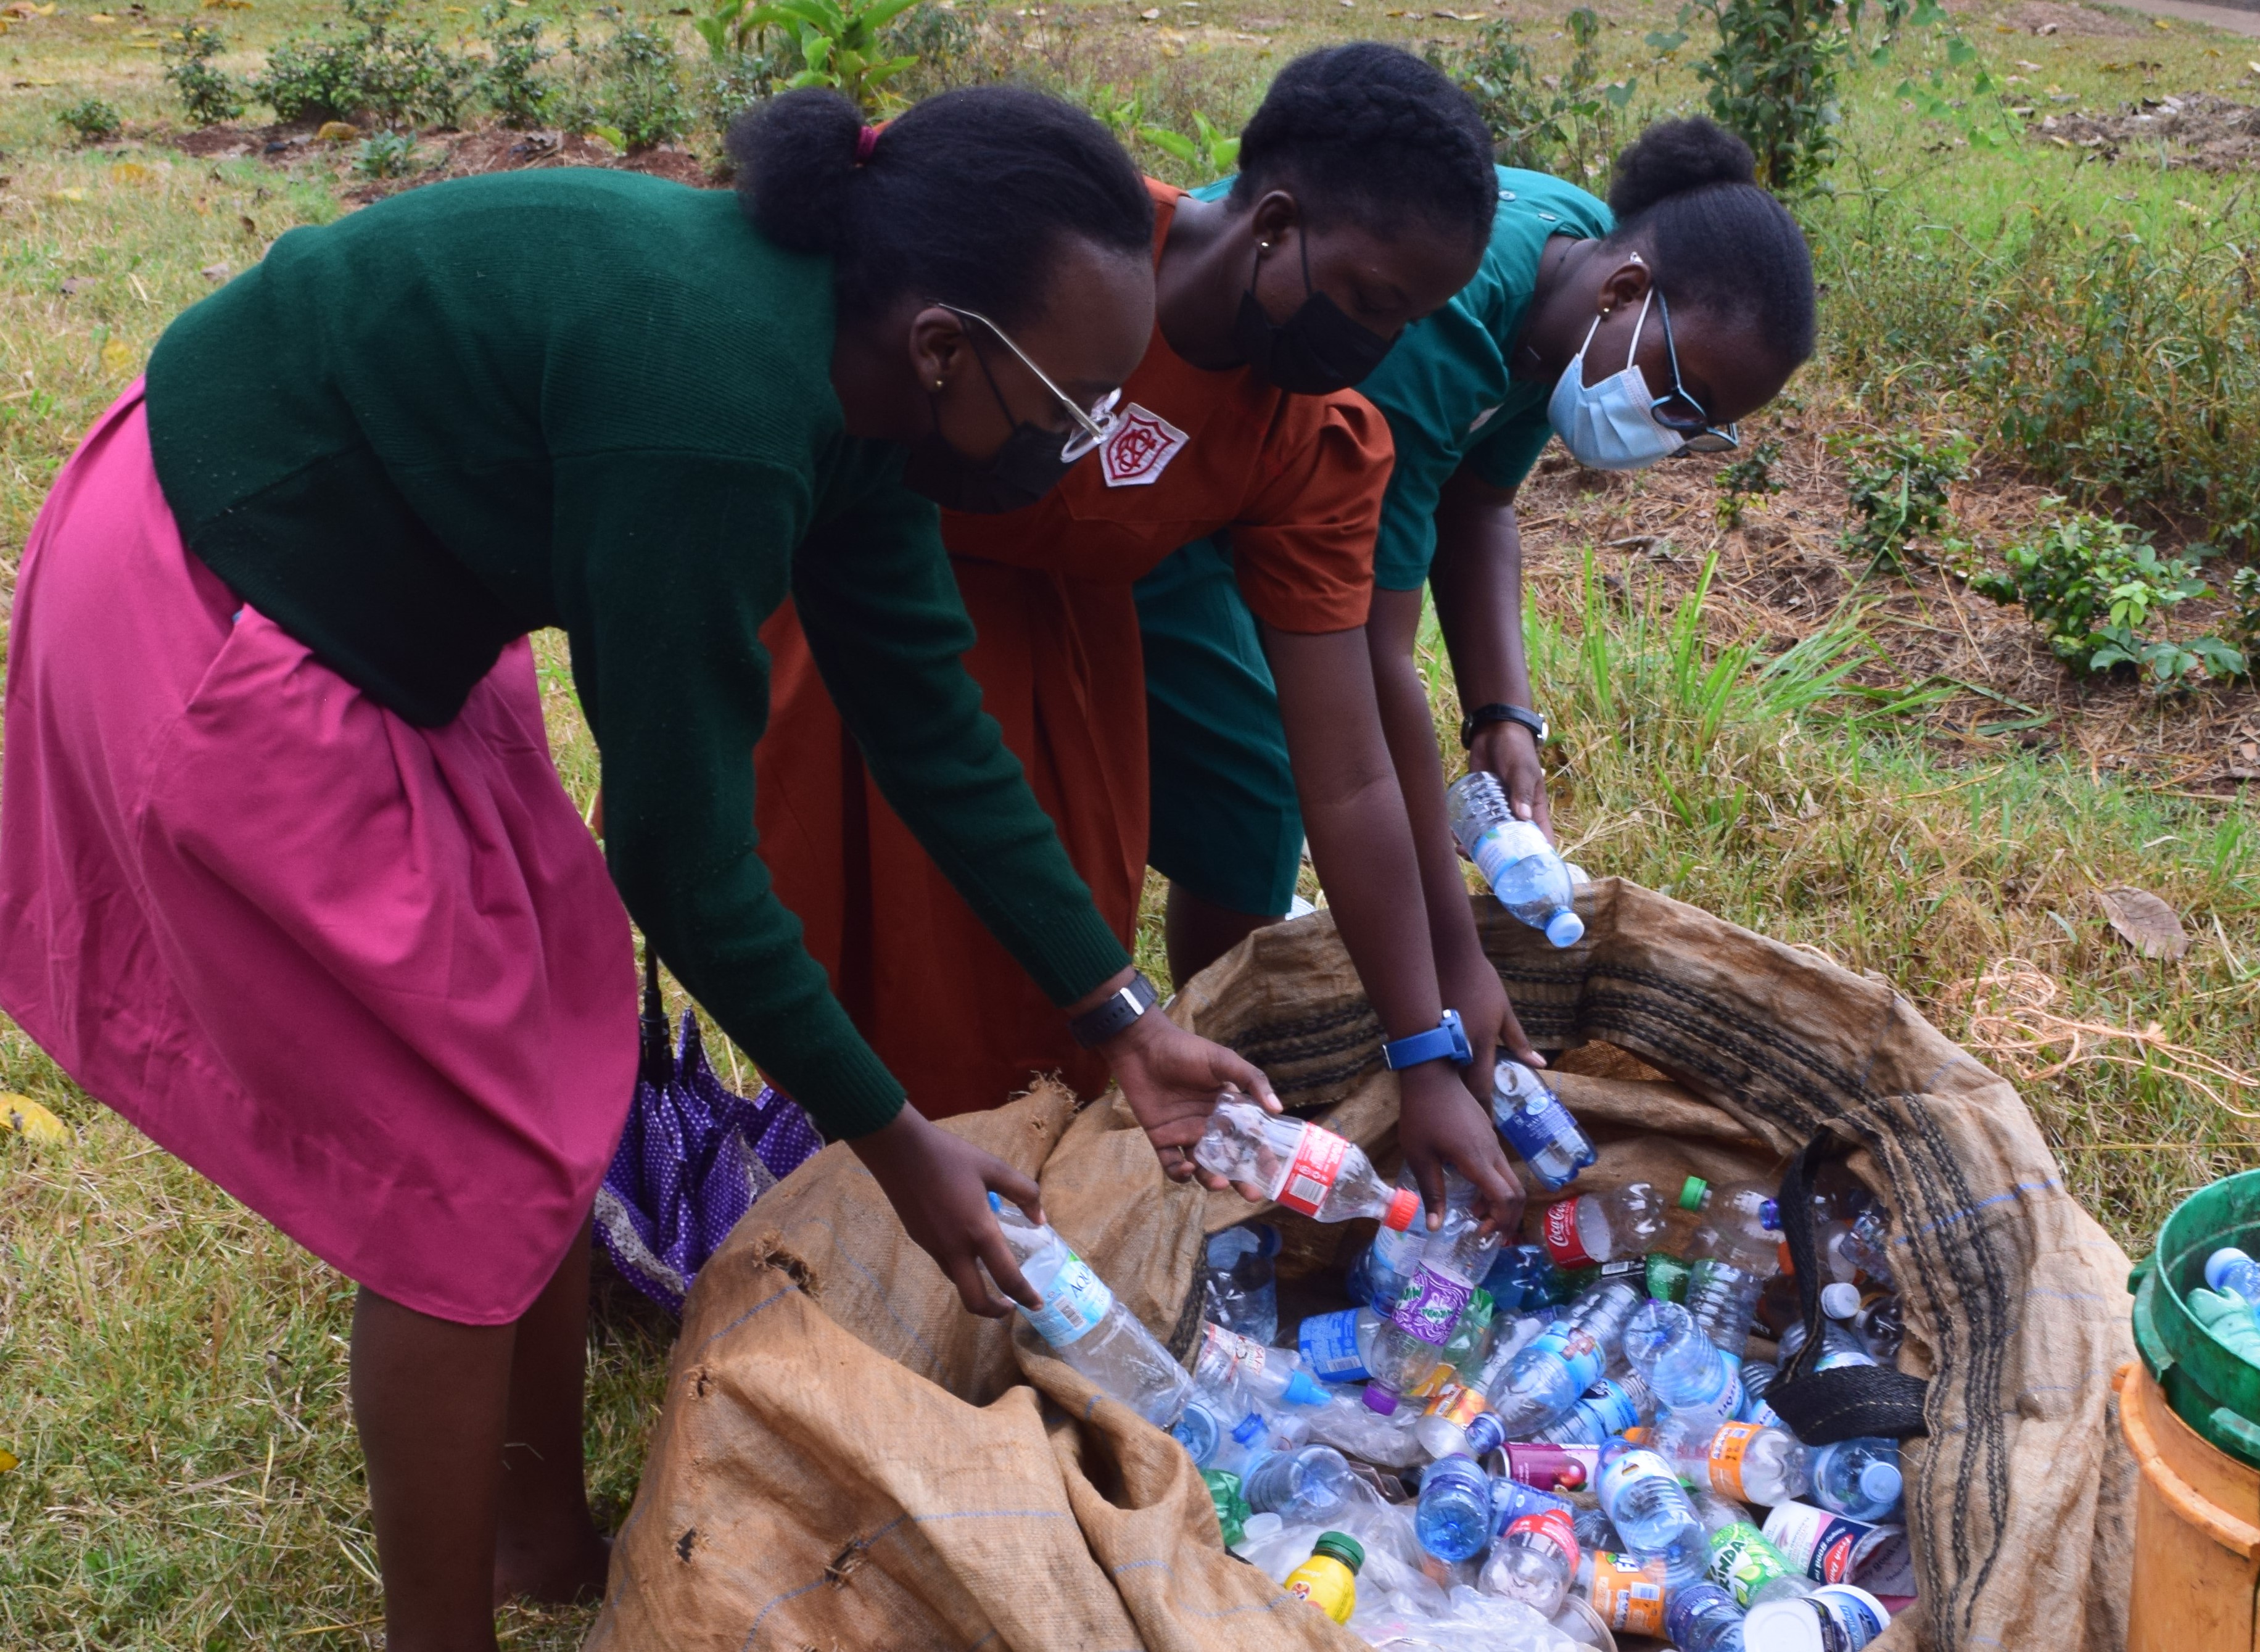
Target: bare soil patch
(444, 154)
(2190, 129)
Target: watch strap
(1114, 1013)
(1499, 713)
(1447, 1041)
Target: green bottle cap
(1691, 1196)
(1341, 1547)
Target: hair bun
(1674, 156)
(796, 157)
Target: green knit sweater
(602, 402)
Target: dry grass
(172, 1370)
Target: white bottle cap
(1840, 1301)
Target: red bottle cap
(1402, 1209)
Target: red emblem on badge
(1140, 449)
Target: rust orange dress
(1296, 480)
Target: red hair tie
(866, 141)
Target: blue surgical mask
(1611, 425)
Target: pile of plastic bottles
(1507, 1446)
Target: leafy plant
(1899, 491)
(1214, 151)
(512, 82)
(935, 31)
(396, 76)
(635, 97)
(91, 120)
(2096, 588)
(388, 154)
(840, 43)
(1548, 123)
(2244, 624)
(209, 94)
(1749, 477)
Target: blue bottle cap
(1303, 1390)
(1565, 929)
(995, 1202)
(2218, 1264)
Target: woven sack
(846, 1459)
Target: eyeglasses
(1687, 420)
(1093, 425)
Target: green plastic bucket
(2210, 1388)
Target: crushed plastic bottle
(1087, 1327)
(1859, 1478)
(1867, 1243)
(1742, 1559)
(1453, 1519)
(1304, 1484)
(1758, 1378)
(1747, 1461)
(1608, 1407)
(1651, 1511)
(1240, 1289)
(1301, 1166)
(1704, 1619)
(1511, 1500)
(1535, 1124)
(1272, 1375)
(1839, 1347)
(1694, 1382)
(1521, 867)
(1533, 1562)
(1546, 1380)
(1593, 1227)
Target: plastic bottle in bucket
(2234, 1274)
(1087, 1327)
(1300, 1166)
(1518, 862)
(1537, 1125)
(1835, 1618)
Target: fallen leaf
(32, 1122)
(2144, 922)
(8, 1460)
(337, 131)
(116, 356)
(220, 271)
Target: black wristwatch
(1536, 722)
(1115, 1011)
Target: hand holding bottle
(1441, 1126)
(940, 1184)
(1172, 1080)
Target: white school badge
(1139, 448)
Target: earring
(1262, 246)
(937, 383)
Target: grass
(172, 1371)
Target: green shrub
(1898, 488)
(1750, 476)
(91, 120)
(396, 76)
(388, 154)
(1567, 123)
(209, 94)
(512, 83)
(632, 91)
(2097, 589)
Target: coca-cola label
(1311, 1175)
(1429, 1310)
(1551, 1527)
(1560, 1235)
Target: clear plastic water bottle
(1442, 1428)
(1338, 1346)
(1453, 1520)
(1533, 1562)
(1741, 1558)
(1759, 1376)
(1524, 1279)
(1880, 1328)
(1471, 1339)
(1838, 1347)
(1695, 1383)
(1547, 1379)
(1867, 1243)
(1518, 862)
(1595, 1227)
(1411, 1345)
(2232, 1273)
(1593, 1528)
(1386, 1268)
(1300, 1166)
(1241, 1290)
(1650, 1510)
(1703, 1617)
(1300, 1486)
(1272, 1375)
(1859, 1478)
(1735, 1252)
(1748, 1461)
(1087, 1327)
(1535, 1124)
(1609, 1407)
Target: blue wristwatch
(1445, 1042)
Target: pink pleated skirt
(372, 979)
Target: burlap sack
(846, 1459)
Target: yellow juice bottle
(1329, 1579)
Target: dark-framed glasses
(1092, 426)
(1679, 412)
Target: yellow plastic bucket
(2197, 1531)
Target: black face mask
(1026, 467)
(1315, 350)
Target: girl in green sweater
(286, 875)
